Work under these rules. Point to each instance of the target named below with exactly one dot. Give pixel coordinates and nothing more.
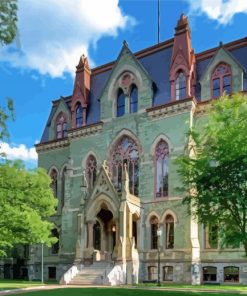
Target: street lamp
(159, 233)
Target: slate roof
(157, 65)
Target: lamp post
(42, 262)
(159, 233)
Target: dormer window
(120, 103)
(79, 115)
(180, 86)
(221, 80)
(61, 127)
(133, 99)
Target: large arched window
(79, 115)
(180, 86)
(133, 99)
(125, 152)
(120, 103)
(169, 223)
(53, 176)
(61, 126)
(91, 170)
(154, 225)
(63, 187)
(161, 169)
(55, 247)
(221, 80)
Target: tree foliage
(6, 113)
(214, 172)
(8, 21)
(26, 202)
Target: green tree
(214, 171)
(26, 203)
(8, 21)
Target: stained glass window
(61, 127)
(161, 167)
(125, 152)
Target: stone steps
(91, 275)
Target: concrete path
(52, 287)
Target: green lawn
(119, 292)
(15, 284)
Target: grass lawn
(120, 292)
(16, 284)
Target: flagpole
(158, 21)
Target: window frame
(230, 274)
(179, 88)
(120, 95)
(133, 101)
(217, 75)
(78, 116)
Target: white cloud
(222, 11)
(55, 33)
(18, 152)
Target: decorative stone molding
(85, 130)
(51, 145)
(171, 109)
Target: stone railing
(69, 275)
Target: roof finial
(125, 43)
(221, 44)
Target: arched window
(161, 169)
(53, 176)
(133, 99)
(97, 236)
(63, 187)
(79, 115)
(55, 247)
(125, 152)
(91, 170)
(169, 222)
(61, 127)
(120, 103)
(180, 86)
(154, 224)
(221, 80)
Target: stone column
(90, 225)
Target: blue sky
(39, 66)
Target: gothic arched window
(61, 127)
(53, 176)
(55, 247)
(221, 80)
(79, 115)
(63, 187)
(169, 222)
(133, 99)
(161, 169)
(125, 152)
(154, 225)
(120, 103)
(180, 86)
(91, 170)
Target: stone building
(110, 150)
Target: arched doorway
(104, 233)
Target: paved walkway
(52, 287)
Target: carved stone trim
(52, 145)
(85, 130)
(172, 109)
